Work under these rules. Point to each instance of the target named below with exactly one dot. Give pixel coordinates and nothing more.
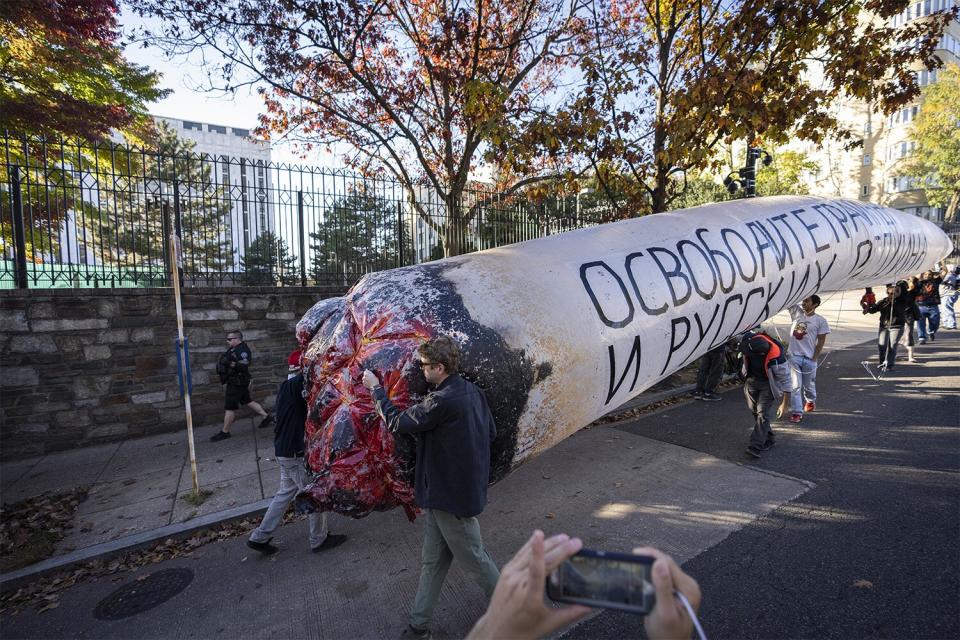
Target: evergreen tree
(361, 233)
(136, 195)
(268, 262)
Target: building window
(867, 128)
(215, 128)
(867, 158)
(864, 190)
(187, 124)
(243, 133)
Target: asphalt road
(873, 551)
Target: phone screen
(604, 579)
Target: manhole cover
(143, 594)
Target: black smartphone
(604, 579)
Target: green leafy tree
(62, 73)
(267, 262)
(360, 233)
(785, 175)
(935, 162)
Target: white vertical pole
(175, 262)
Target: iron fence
(76, 214)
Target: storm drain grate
(143, 594)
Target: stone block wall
(87, 366)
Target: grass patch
(30, 529)
(197, 499)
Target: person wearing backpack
(928, 301)
(233, 367)
(766, 377)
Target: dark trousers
(710, 371)
(887, 344)
(761, 404)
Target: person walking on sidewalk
(454, 429)
(759, 351)
(808, 334)
(949, 292)
(709, 374)
(928, 301)
(288, 445)
(233, 367)
(892, 310)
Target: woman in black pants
(892, 310)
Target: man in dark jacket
(234, 371)
(454, 429)
(288, 446)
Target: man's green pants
(447, 537)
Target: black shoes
(412, 633)
(709, 397)
(263, 547)
(219, 435)
(768, 445)
(754, 452)
(333, 540)
(266, 422)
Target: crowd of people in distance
(923, 303)
(782, 375)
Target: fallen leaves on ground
(863, 584)
(46, 590)
(29, 529)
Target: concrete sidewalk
(140, 490)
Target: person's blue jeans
(887, 344)
(949, 316)
(929, 313)
(803, 371)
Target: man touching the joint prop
(453, 427)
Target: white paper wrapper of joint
(560, 330)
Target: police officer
(234, 370)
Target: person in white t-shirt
(808, 333)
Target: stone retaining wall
(86, 366)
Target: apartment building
(874, 171)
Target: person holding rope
(892, 310)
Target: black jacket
(929, 292)
(454, 429)
(239, 357)
(894, 317)
(291, 410)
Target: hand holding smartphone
(605, 579)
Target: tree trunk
(454, 232)
(951, 213)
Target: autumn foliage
(62, 72)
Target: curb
(14, 579)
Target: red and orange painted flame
(360, 466)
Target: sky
(188, 102)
